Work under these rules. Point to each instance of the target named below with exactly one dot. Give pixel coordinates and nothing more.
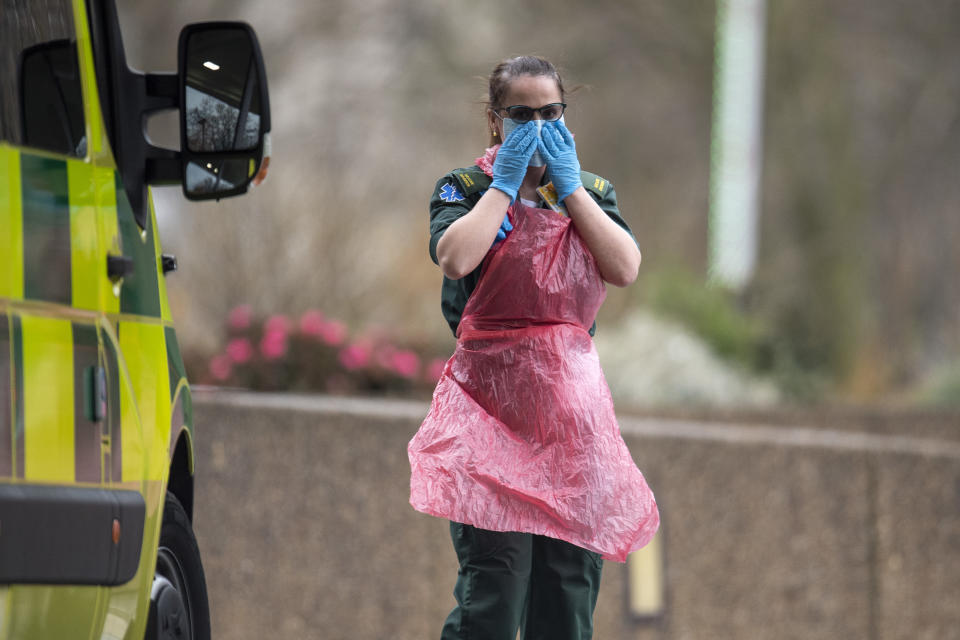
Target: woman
(521, 449)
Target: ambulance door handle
(169, 262)
(95, 393)
(119, 267)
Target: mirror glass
(222, 92)
(218, 176)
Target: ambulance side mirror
(224, 109)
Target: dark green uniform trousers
(544, 587)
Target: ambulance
(96, 420)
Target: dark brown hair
(512, 68)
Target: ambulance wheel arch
(180, 478)
(180, 482)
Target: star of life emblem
(449, 193)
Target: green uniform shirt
(456, 194)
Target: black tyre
(178, 600)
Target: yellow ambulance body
(96, 422)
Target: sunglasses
(521, 113)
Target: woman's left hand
(557, 147)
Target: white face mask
(536, 160)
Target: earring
(494, 132)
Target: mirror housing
(224, 109)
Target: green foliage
(734, 331)
(709, 311)
(944, 390)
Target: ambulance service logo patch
(449, 193)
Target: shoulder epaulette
(472, 179)
(592, 182)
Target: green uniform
(509, 581)
(455, 195)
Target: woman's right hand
(513, 157)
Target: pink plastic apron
(521, 434)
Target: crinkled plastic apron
(521, 434)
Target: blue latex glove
(505, 228)
(512, 159)
(558, 149)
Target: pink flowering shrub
(317, 353)
(355, 356)
(239, 350)
(240, 317)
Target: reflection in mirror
(222, 97)
(216, 177)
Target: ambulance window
(41, 101)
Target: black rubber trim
(64, 535)
(100, 26)
(126, 97)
